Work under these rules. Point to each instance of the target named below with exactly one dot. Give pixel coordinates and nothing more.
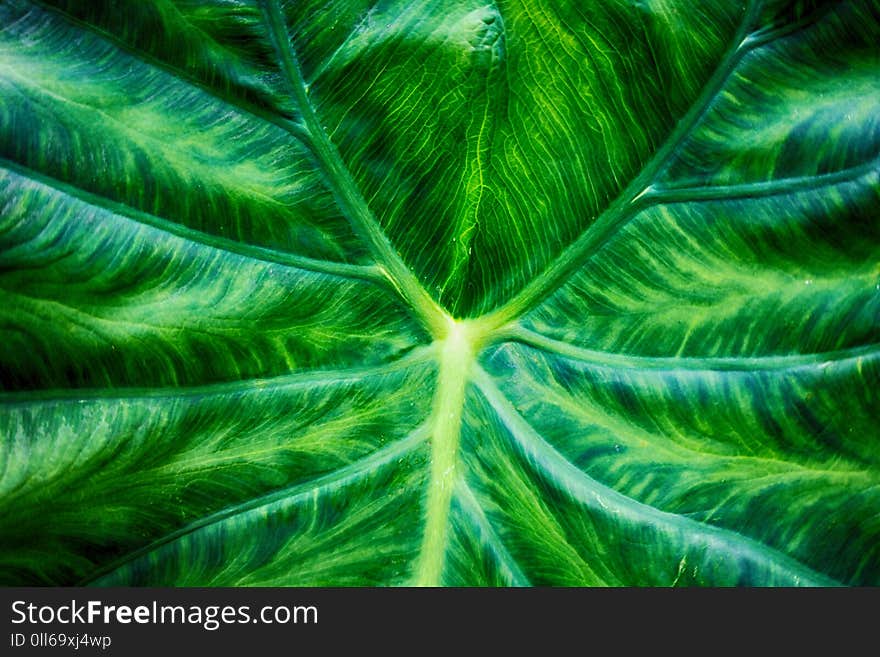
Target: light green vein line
(603, 500)
(344, 187)
(471, 508)
(306, 380)
(736, 364)
(263, 254)
(456, 359)
(631, 200)
(295, 494)
(659, 195)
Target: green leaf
(440, 293)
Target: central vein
(456, 359)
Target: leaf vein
(699, 363)
(293, 494)
(368, 273)
(603, 499)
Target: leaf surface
(458, 293)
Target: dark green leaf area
(447, 293)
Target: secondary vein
(291, 495)
(603, 499)
(475, 514)
(761, 189)
(633, 197)
(344, 188)
(192, 235)
(598, 358)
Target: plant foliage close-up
(460, 292)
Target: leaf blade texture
(440, 293)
